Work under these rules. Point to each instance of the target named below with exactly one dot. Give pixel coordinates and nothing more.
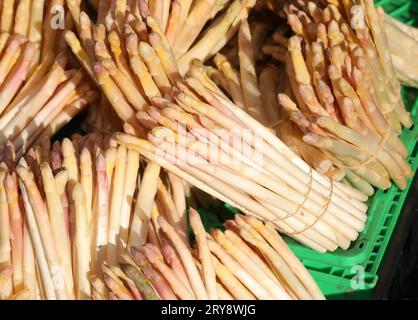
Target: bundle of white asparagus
(140, 78)
(249, 260)
(194, 29)
(66, 209)
(48, 100)
(349, 109)
(188, 27)
(39, 94)
(70, 212)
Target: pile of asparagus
(98, 217)
(138, 73)
(108, 49)
(115, 52)
(249, 260)
(340, 91)
(70, 212)
(39, 93)
(194, 29)
(68, 208)
(142, 82)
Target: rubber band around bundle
(373, 156)
(319, 217)
(306, 195)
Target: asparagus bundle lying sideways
(249, 260)
(349, 106)
(39, 93)
(48, 100)
(86, 202)
(147, 91)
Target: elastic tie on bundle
(305, 195)
(319, 217)
(373, 156)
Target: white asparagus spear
(143, 206)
